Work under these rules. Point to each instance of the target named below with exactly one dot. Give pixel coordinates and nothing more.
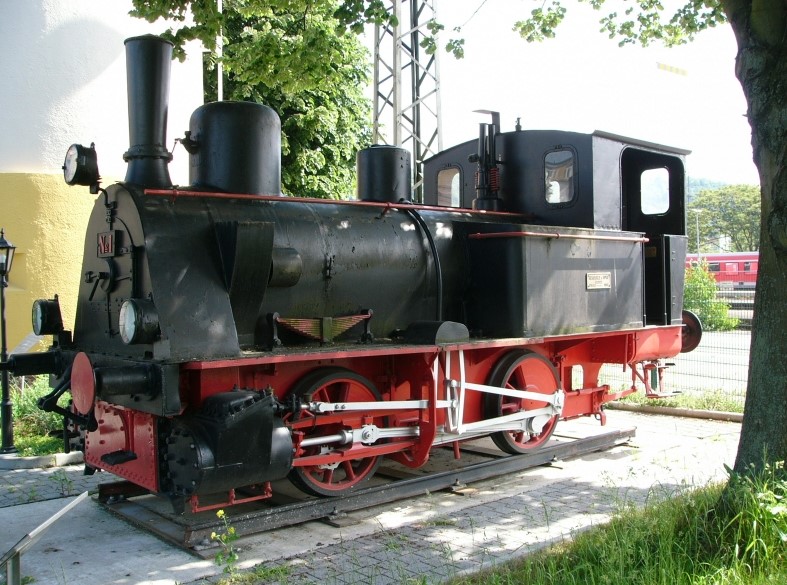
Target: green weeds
(63, 481)
(34, 428)
(716, 401)
(227, 557)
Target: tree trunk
(760, 28)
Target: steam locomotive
(227, 336)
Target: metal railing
(13, 558)
(720, 364)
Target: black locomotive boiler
(227, 336)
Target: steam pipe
(486, 178)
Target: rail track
(392, 483)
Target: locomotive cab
(597, 181)
(653, 187)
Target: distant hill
(696, 185)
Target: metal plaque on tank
(533, 281)
(598, 280)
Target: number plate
(106, 244)
(598, 280)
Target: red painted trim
(232, 500)
(175, 193)
(310, 356)
(301, 355)
(125, 429)
(553, 235)
(332, 418)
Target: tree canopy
(203, 20)
(728, 219)
(292, 57)
(642, 21)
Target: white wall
(63, 80)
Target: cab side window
(449, 187)
(654, 185)
(559, 176)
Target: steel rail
(196, 537)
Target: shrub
(34, 428)
(699, 297)
(757, 533)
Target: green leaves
(642, 22)
(293, 56)
(699, 297)
(456, 47)
(205, 15)
(542, 23)
(354, 14)
(729, 216)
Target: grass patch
(260, 574)
(716, 400)
(732, 534)
(34, 429)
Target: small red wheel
(521, 370)
(333, 385)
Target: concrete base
(40, 462)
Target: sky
(687, 97)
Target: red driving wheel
(521, 370)
(333, 385)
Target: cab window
(654, 185)
(559, 167)
(449, 187)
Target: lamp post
(6, 410)
(697, 224)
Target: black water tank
(384, 174)
(236, 148)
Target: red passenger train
(736, 270)
(227, 336)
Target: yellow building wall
(46, 220)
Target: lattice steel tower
(407, 85)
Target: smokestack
(148, 61)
